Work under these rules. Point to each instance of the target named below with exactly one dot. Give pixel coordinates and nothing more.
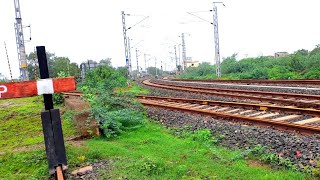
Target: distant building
(191, 63)
(281, 54)
(87, 66)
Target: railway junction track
(299, 100)
(285, 118)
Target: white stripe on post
(45, 86)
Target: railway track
(288, 82)
(285, 118)
(299, 100)
(302, 120)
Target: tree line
(301, 64)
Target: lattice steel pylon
(184, 51)
(20, 43)
(125, 40)
(216, 39)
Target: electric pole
(20, 43)
(145, 62)
(125, 29)
(161, 69)
(184, 53)
(155, 64)
(130, 60)
(176, 58)
(5, 46)
(216, 34)
(125, 39)
(137, 60)
(216, 39)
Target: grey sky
(92, 29)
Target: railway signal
(51, 121)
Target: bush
(114, 114)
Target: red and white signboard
(34, 88)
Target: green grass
(20, 123)
(135, 90)
(150, 152)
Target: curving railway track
(299, 100)
(287, 82)
(303, 120)
(285, 118)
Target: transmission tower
(216, 39)
(184, 53)
(20, 43)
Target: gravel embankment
(238, 136)
(255, 88)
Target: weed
(149, 167)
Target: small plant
(150, 167)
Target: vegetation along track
(304, 120)
(285, 118)
(299, 100)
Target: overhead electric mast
(216, 34)
(20, 43)
(184, 51)
(125, 39)
(216, 39)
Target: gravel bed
(166, 92)
(239, 136)
(103, 165)
(302, 91)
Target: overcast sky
(92, 29)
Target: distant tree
(106, 61)
(316, 50)
(63, 64)
(302, 52)
(153, 71)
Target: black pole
(51, 122)
(44, 74)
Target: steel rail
(276, 94)
(276, 124)
(304, 111)
(306, 81)
(204, 91)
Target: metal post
(137, 60)
(155, 61)
(145, 62)
(5, 46)
(184, 51)
(125, 39)
(216, 40)
(161, 69)
(175, 54)
(51, 123)
(20, 43)
(130, 59)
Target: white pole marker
(45, 86)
